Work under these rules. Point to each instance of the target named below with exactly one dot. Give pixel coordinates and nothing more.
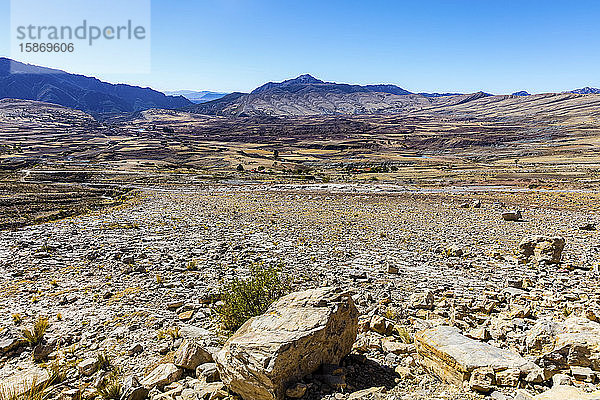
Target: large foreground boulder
(296, 335)
(453, 357)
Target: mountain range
(29, 82)
(197, 96)
(301, 96)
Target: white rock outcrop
(296, 335)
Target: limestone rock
(207, 372)
(482, 379)
(574, 342)
(380, 325)
(567, 392)
(296, 335)
(541, 249)
(395, 347)
(88, 366)
(42, 351)
(454, 251)
(423, 300)
(191, 354)
(540, 339)
(214, 390)
(366, 393)
(162, 375)
(10, 339)
(132, 390)
(22, 382)
(453, 357)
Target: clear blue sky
(469, 45)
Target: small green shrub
(247, 298)
(103, 361)
(403, 334)
(172, 332)
(110, 388)
(17, 318)
(192, 265)
(36, 335)
(58, 370)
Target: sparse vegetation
(103, 361)
(58, 370)
(192, 265)
(172, 332)
(36, 392)
(403, 334)
(36, 335)
(110, 388)
(247, 298)
(17, 318)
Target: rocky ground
(134, 281)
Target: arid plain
(463, 219)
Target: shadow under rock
(360, 373)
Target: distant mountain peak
(307, 82)
(305, 79)
(586, 90)
(521, 93)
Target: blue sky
(462, 45)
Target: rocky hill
(306, 95)
(29, 82)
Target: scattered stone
(161, 376)
(88, 366)
(574, 342)
(380, 325)
(567, 393)
(298, 333)
(186, 315)
(136, 348)
(207, 372)
(423, 300)
(453, 357)
(191, 354)
(561, 380)
(583, 374)
(513, 216)
(132, 390)
(42, 351)
(366, 393)
(211, 391)
(10, 339)
(482, 379)
(174, 305)
(541, 249)
(454, 251)
(399, 348)
(588, 227)
(509, 377)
